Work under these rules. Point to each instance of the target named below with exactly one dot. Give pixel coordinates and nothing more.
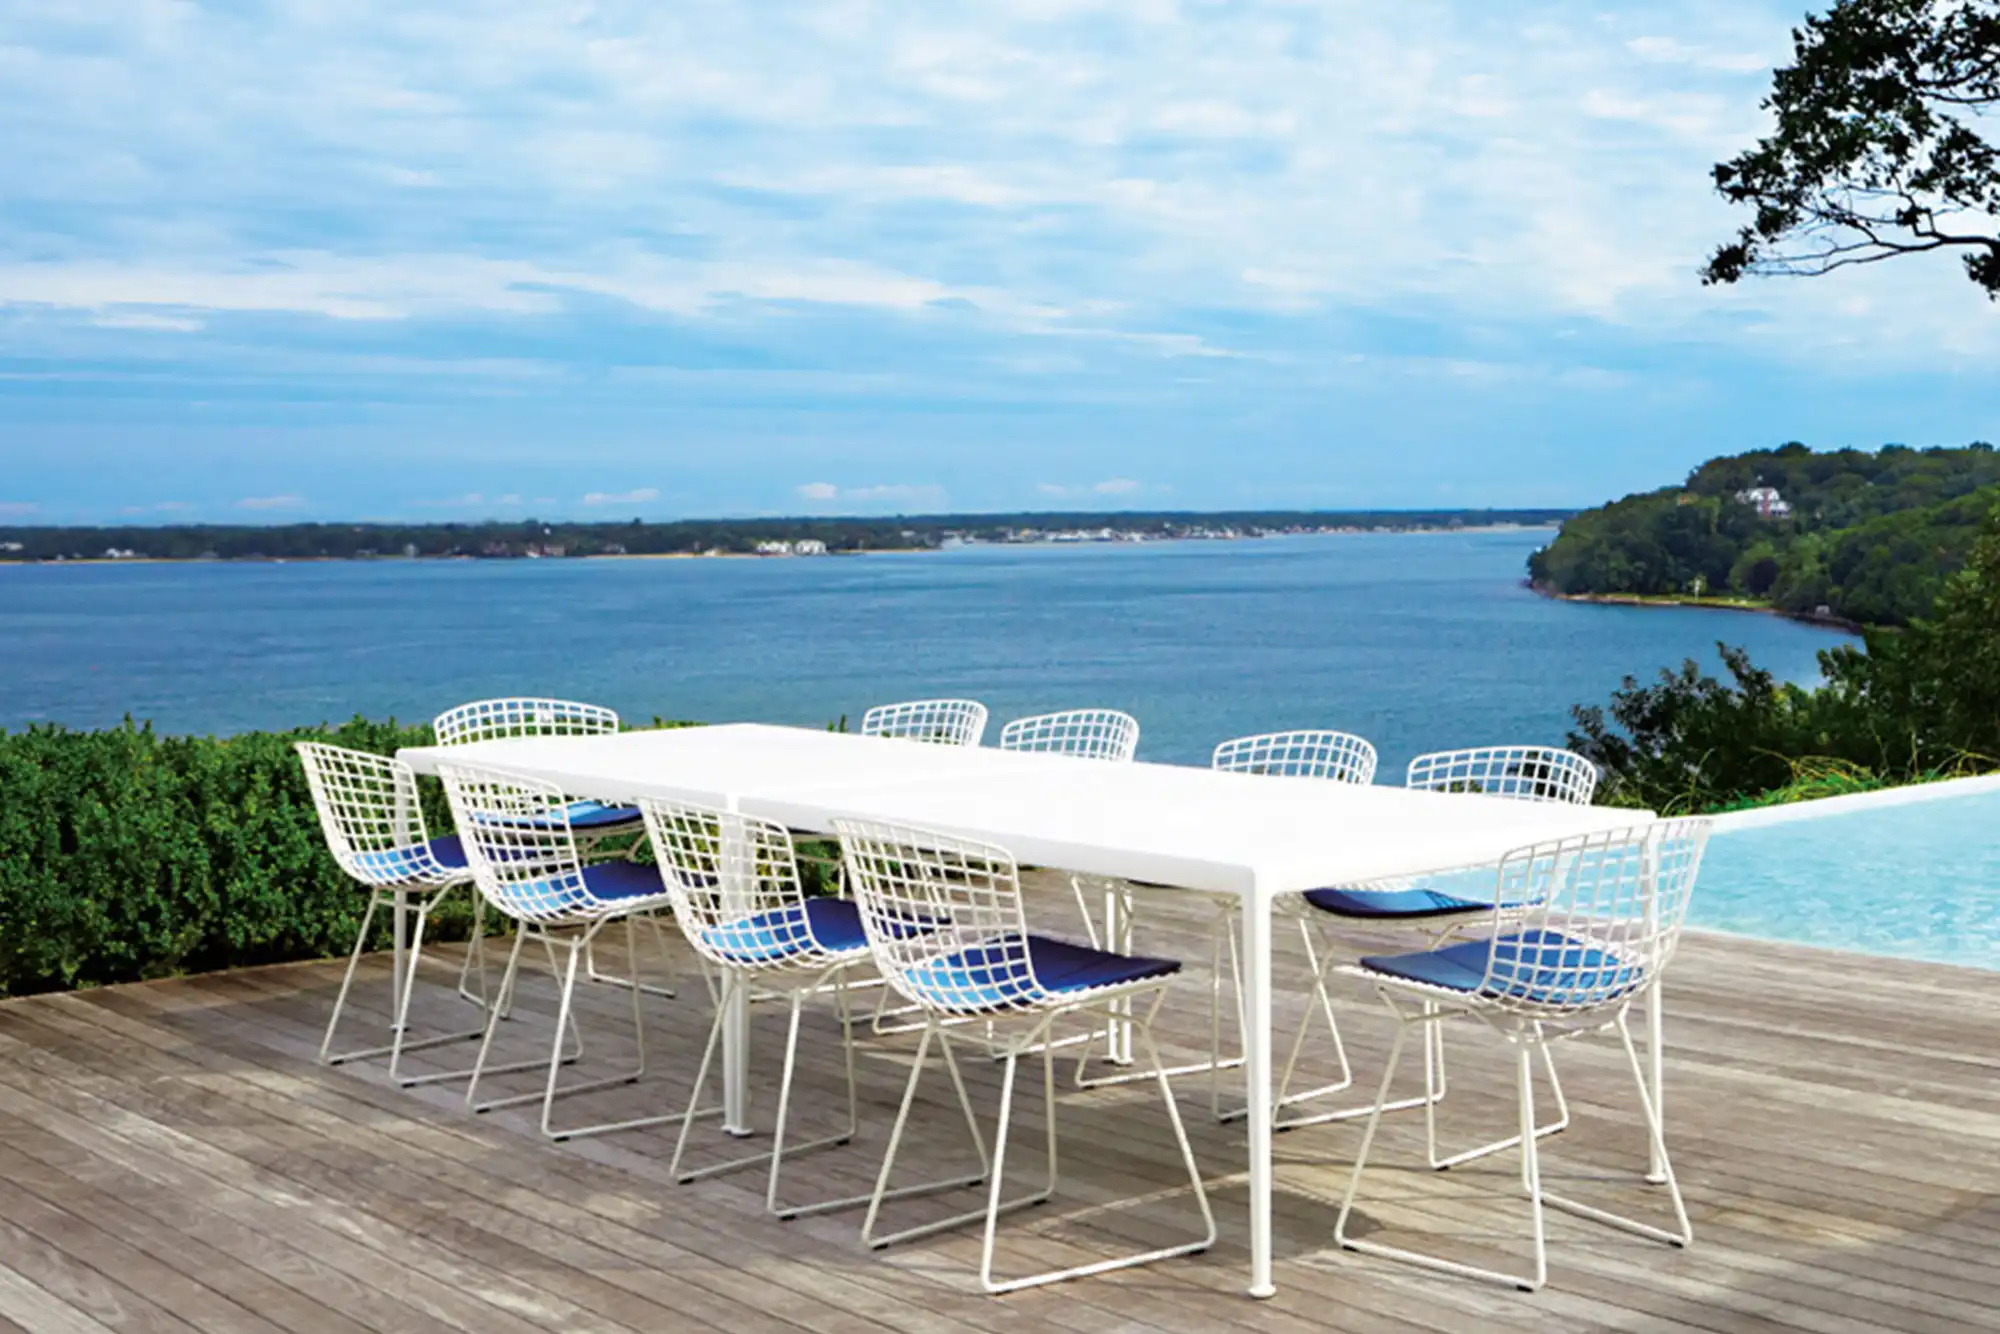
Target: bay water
(1417, 641)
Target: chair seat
(1008, 976)
(606, 882)
(1541, 967)
(596, 815)
(832, 926)
(415, 862)
(1381, 903)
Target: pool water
(1916, 878)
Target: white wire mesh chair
(949, 722)
(1089, 734)
(1333, 756)
(374, 827)
(734, 881)
(1605, 922)
(1530, 773)
(1436, 905)
(594, 823)
(525, 862)
(973, 957)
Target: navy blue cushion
(1390, 902)
(1545, 967)
(834, 925)
(596, 815)
(998, 976)
(623, 880)
(409, 863)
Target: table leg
(735, 1055)
(735, 995)
(1118, 937)
(399, 947)
(1656, 1057)
(1256, 928)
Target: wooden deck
(173, 1158)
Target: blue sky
(357, 260)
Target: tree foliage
(1877, 150)
(1905, 705)
(1871, 536)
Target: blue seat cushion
(410, 863)
(1542, 967)
(595, 815)
(607, 882)
(832, 925)
(1391, 902)
(1004, 975)
(623, 880)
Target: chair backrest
(943, 917)
(369, 812)
(518, 842)
(1340, 756)
(1527, 773)
(734, 882)
(1605, 920)
(949, 722)
(1091, 734)
(491, 719)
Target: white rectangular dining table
(1251, 836)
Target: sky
(349, 259)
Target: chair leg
(882, 1191)
(1143, 1030)
(1224, 937)
(399, 1021)
(1322, 1000)
(1530, 1171)
(566, 1024)
(595, 974)
(494, 1016)
(346, 984)
(475, 953)
(1682, 1234)
(1560, 1124)
(774, 1159)
(397, 1045)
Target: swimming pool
(1913, 872)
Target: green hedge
(125, 854)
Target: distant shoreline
(1147, 540)
(1686, 600)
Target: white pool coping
(1731, 821)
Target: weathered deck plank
(173, 1158)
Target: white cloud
(289, 501)
(19, 508)
(162, 507)
(1055, 489)
(904, 494)
(1116, 486)
(132, 319)
(640, 496)
(1114, 173)
(897, 493)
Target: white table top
(1242, 834)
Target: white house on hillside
(1766, 501)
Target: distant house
(774, 548)
(1766, 501)
(809, 546)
